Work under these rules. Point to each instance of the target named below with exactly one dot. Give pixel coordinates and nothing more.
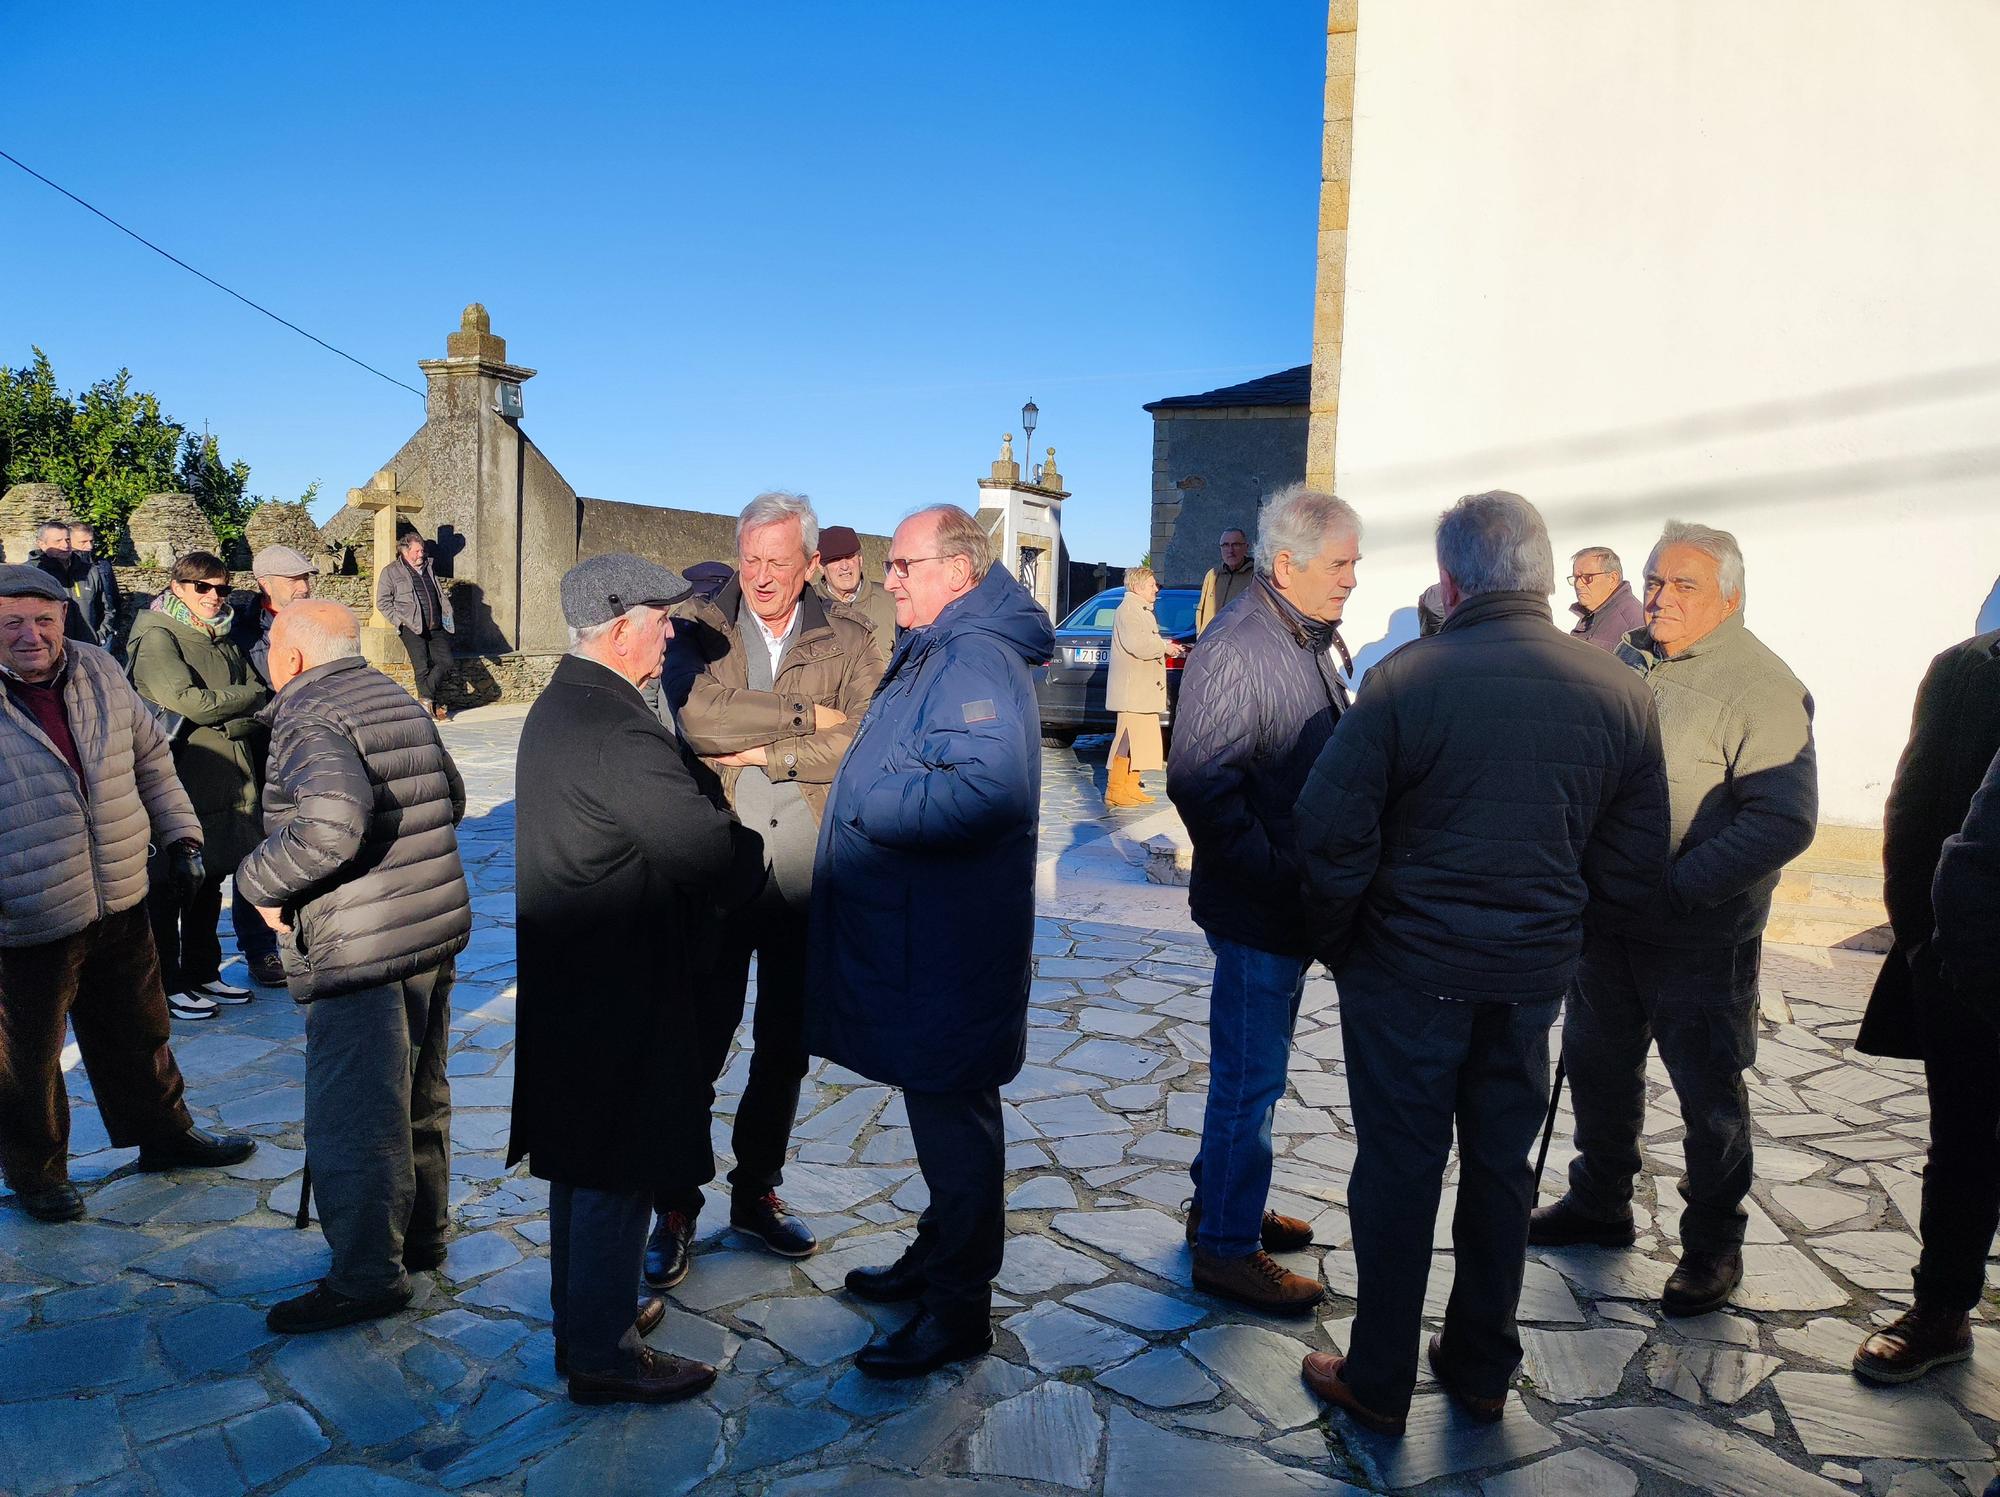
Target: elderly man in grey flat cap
(624, 867)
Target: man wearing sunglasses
(1606, 609)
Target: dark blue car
(1070, 688)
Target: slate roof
(1286, 387)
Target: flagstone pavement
(134, 1359)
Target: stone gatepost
(380, 643)
(1024, 520)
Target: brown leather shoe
(1258, 1280)
(1911, 1345)
(1486, 1410)
(1321, 1370)
(1282, 1234)
(651, 1313)
(658, 1378)
(440, 712)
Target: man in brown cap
(842, 580)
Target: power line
(209, 278)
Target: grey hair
(1718, 545)
(1603, 556)
(1300, 520)
(958, 534)
(51, 524)
(1496, 543)
(581, 639)
(774, 508)
(317, 642)
(1232, 530)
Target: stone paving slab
(134, 1359)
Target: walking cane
(1548, 1127)
(306, 1186)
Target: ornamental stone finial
(474, 338)
(1005, 469)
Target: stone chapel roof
(1286, 387)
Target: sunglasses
(205, 588)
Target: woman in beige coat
(1137, 691)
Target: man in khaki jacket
(1226, 582)
(844, 579)
(1137, 690)
(766, 683)
(86, 785)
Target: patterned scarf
(171, 605)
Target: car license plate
(1090, 655)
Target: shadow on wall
(1989, 612)
(1402, 628)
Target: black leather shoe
(658, 1378)
(195, 1149)
(668, 1250)
(766, 1218)
(322, 1309)
(1701, 1282)
(419, 1256)
(1563, 1225)
(267, 970)
(923, 1344)
(53, 1203)
(651, 1313)
(901, 1280)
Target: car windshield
(1174, 610)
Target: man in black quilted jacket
(1491, 789)
(360, 876)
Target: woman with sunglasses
(184, 662)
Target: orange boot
(1122, 787)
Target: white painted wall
(1723, 261)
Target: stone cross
(379, 640)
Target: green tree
(110, 447)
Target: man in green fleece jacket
(1744, 790)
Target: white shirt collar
(774, 643)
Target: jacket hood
(1002, 608)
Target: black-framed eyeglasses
(205, 588)
(900, 565)
(1579, 578)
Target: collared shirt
(774, 644)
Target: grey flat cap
(21, 581)
(598, 590)
(281, 561)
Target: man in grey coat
(1605, 609)
(1743, 784)
(360, 876)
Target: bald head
(311, 632)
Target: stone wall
(679, 538)
(166, 527)
(1212, 469)
(22, 510)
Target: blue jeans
(253, 937)
(1252, 1009)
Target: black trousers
(187, 936)
(1701, 1008)
(961, 1143)
(430, 658)
(774, 931)
(1417, 1066)
(597, 1239)
(1962, 1176)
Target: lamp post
(1030, 413)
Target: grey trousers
(378, 1126)
(1417, 1067)
(1700, 1007)
(596, 1241)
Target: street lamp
(1030, 413)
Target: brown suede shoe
(1912, 1344)
(658, 1378)
(1282, 1234)
(1258, 1280)
(1321, 1370)
(1486, 1410)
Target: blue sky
(828, 247)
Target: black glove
(184, 871)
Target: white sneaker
(221, 992)
(190, 1005)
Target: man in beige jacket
(86, 786)
(1137, 690)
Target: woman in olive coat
(185, 664)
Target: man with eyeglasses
(767, 691)
(924, 915)
(1226, 582)
(1743, 793)
(1605, 609)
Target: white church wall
(1721, 262)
